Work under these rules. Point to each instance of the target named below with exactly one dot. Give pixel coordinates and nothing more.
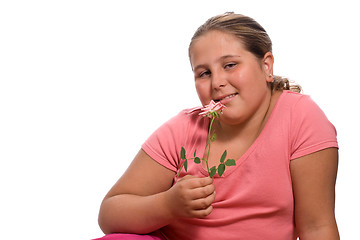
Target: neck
(252, 127)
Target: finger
(203, 203)
(206, 181)
(202, 192)
(187, 177)
(195, 182)
(203, 213)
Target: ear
(268, 62)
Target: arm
(313, 178)
(144, 200)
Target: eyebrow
(220, 59)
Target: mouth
(225, 98)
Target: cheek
(204, 91)
(248, 79)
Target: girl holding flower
(285, 149)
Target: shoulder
(303, 107)
(300, 105)
(186, 121)
(310, 129)
(165, 143)
(293, 98)
(186, 117)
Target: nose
(218, 80)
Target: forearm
(128, 213)
(327, 232)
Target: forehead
(215, 44)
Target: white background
(84, 83)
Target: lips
(225, 97)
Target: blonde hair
(252, 35)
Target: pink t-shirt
(254, 199)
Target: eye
(230, 65)
(204, 74)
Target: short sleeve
(310, 130)
(165, 143)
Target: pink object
(124, 236)
(210, 108)
(254, 199)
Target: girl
(283, 184)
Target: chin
(231, 119)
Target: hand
(191, 197)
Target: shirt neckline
(248, 152)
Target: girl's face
(225, 71)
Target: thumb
(187, 177)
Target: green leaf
(197, 160)
(223, 157)
(230, 162)
(185, 165)
(213, 137)
(221, 169)
(195, 153)
(182, 153)
(212, 171)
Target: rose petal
(210, 108)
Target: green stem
(209, 144)
(181, 166)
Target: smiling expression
(225, 71)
